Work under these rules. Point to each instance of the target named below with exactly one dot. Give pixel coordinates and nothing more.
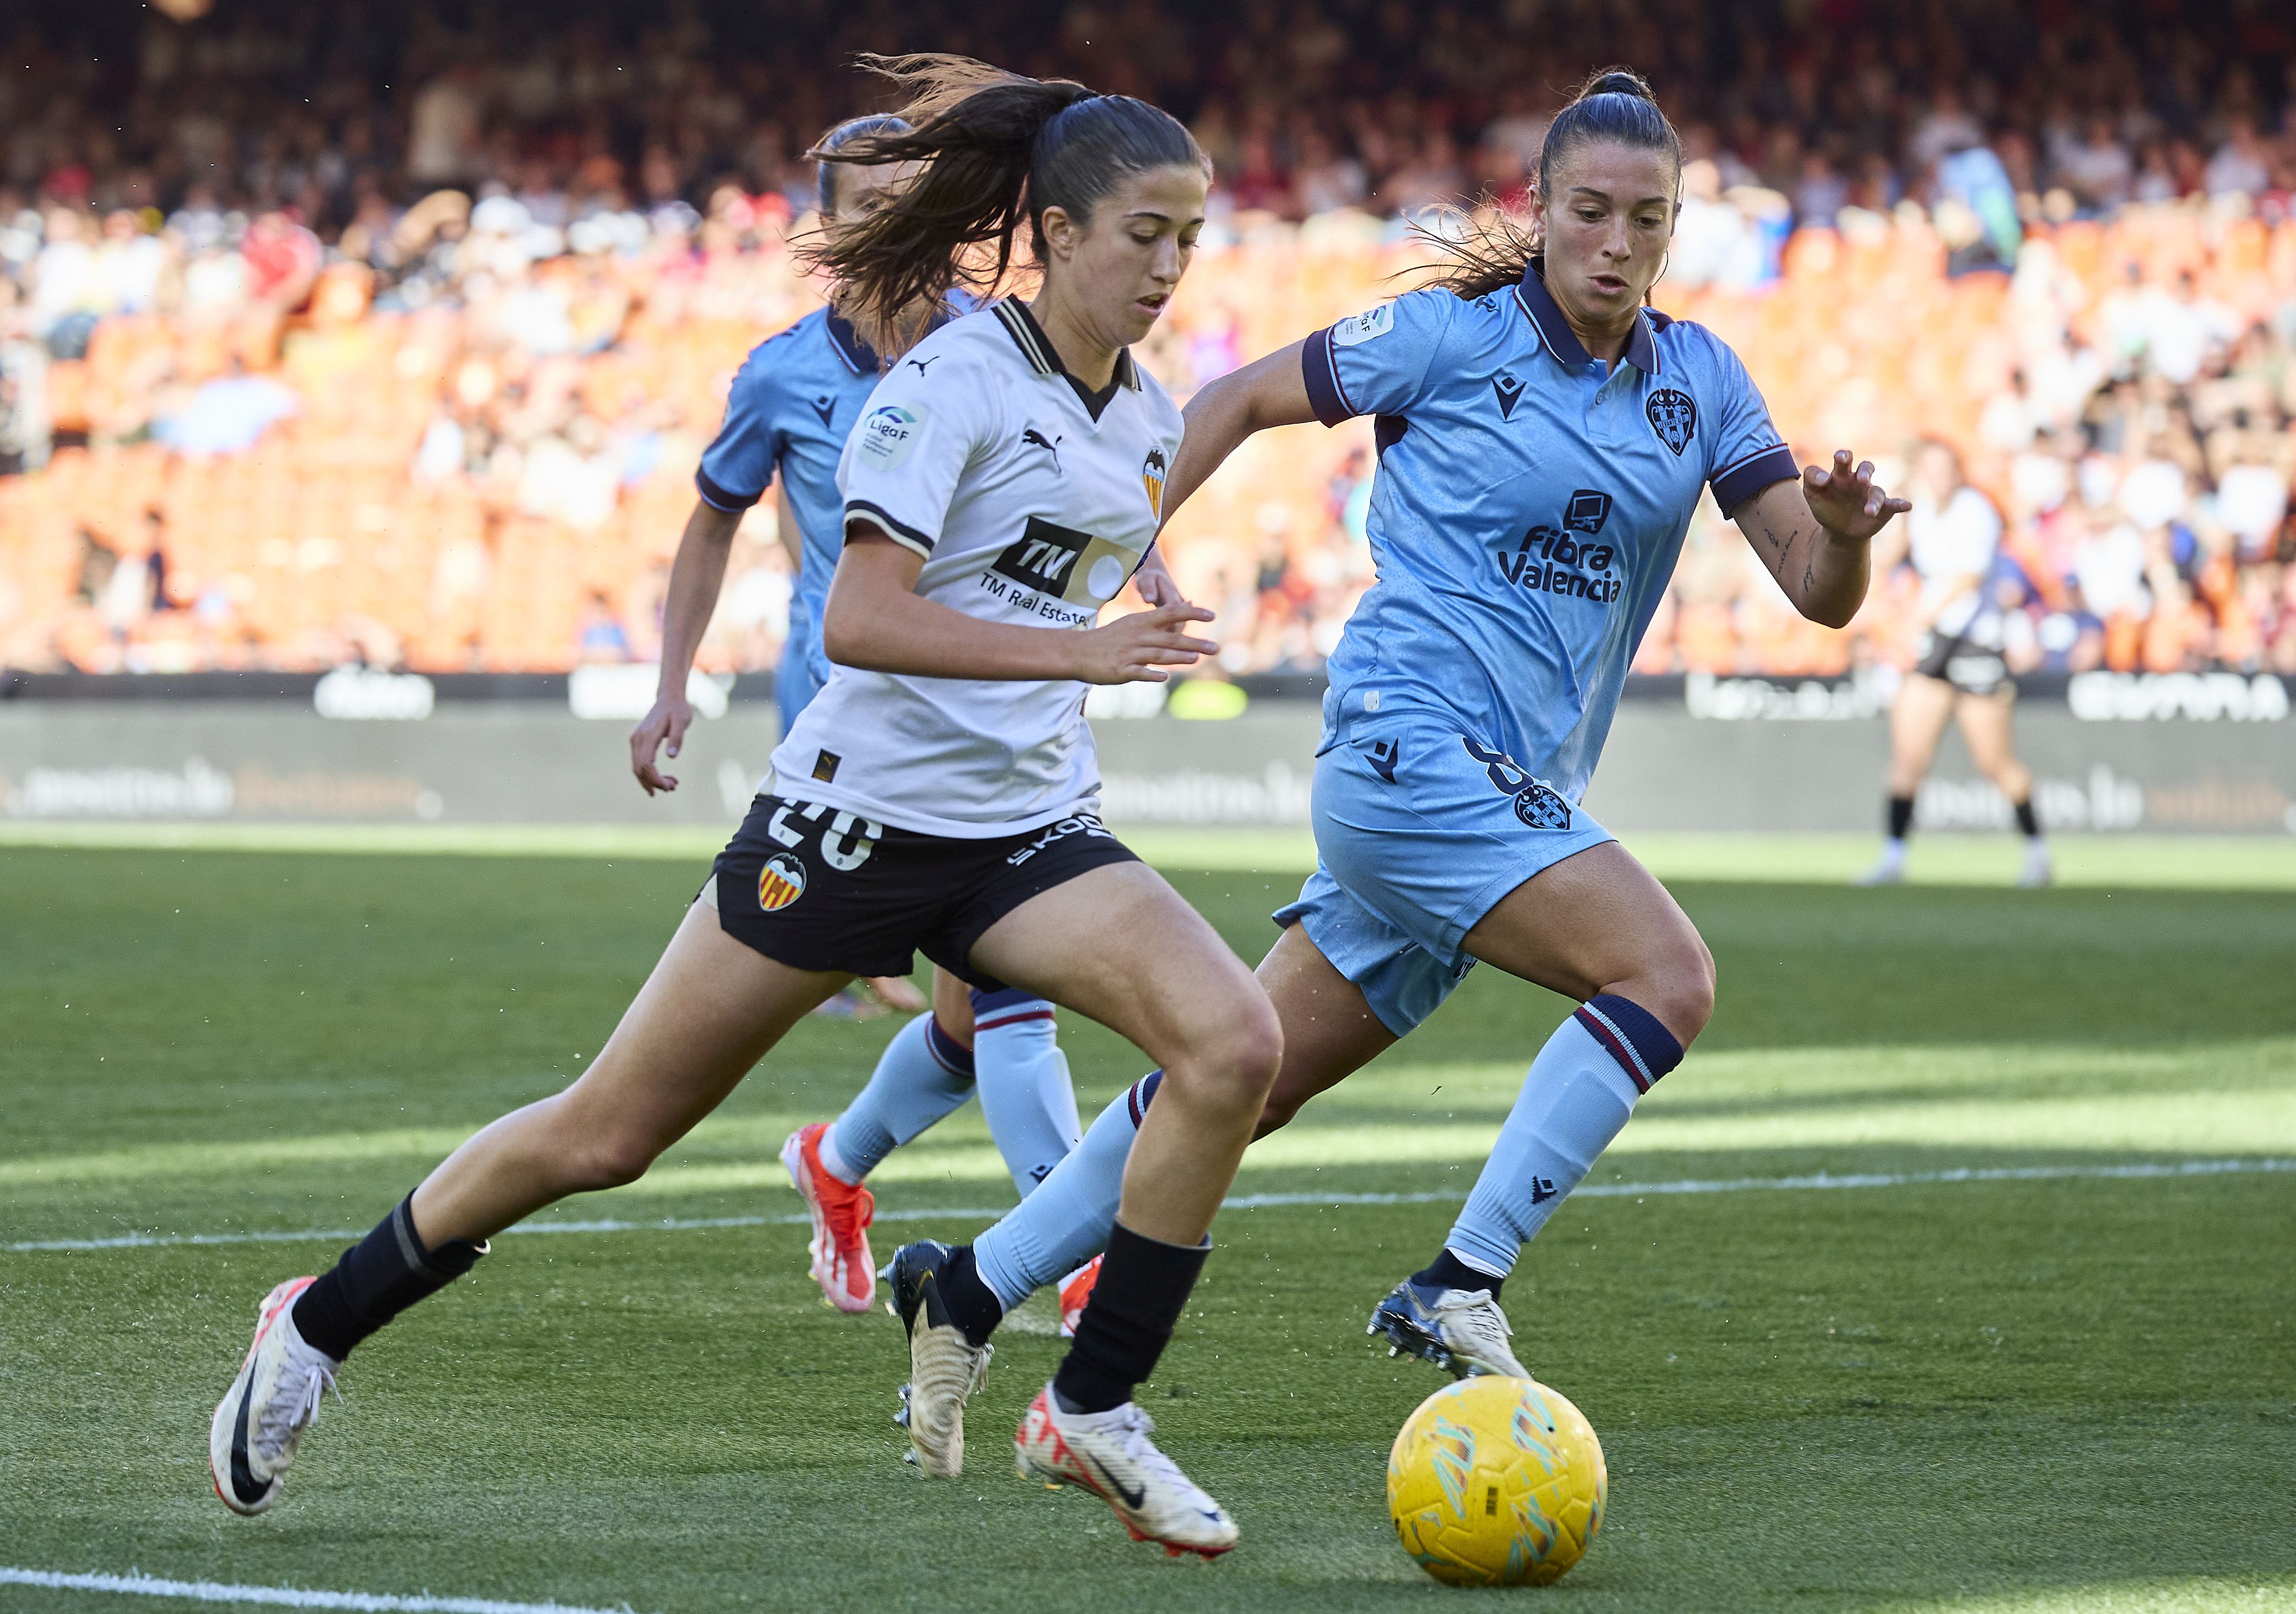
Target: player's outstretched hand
(1136, 648)
(1157, 585)
(1850, 503)
(664, 726)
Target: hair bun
(1619, 81)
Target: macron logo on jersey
(889, 435)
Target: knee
(615, 1162)
(1678, 988)
(1233, 1053)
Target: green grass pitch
(2068, 1389)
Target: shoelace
(1136, 1429)
(304, 1381)
(847, 1214)
(1475, 1316)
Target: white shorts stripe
(136, 1585)
(1819, 1180)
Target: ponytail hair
(998, 149)
(1488, 250)
(827, 150)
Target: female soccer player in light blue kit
(792, 407)
(1544, 437)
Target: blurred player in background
(1952, 537)
(1544, 439)
(938, 793)
(790, 408)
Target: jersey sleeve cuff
(720, 498)
(1319, 368)
(1735, 486)
(900, 532)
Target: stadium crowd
(350, 335)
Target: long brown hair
(1488, 250)
(998, 149)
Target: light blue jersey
(1526, 514)
(1528, 509)
(793, 403)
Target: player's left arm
(1815, 534)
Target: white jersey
(1951, 541)
(1031, 506)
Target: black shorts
(1972, 669)
(814, 887)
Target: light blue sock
(1023, 1081)
(1065, 1222)
(1581, 1090)
(924, 1074)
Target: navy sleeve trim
(1319, 368)
(900, 532)
(719, 499)
(1752, 474)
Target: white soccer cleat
(1460, 1330)
(2040, 870)
(1076, 1294)
(945, 1367)
(1889, 871)
(259, 1424)
(841, 1213)
(1109, 1454)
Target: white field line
(1820, 1181)
(134, 1584)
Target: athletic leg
(1917, 722)
(711, 1010)
(1986, 724)
(1329, 1032)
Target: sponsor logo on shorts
(1539, 805)
(780, 883)
(1083, 823)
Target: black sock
(378, 1278)
(1901, 816)
(2026, 821)
(1143, 1288)
(1447, 1270)
(971, 1305)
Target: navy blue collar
(859, 357)
(1554, 330)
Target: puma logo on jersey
(921, 363)
(1030, 438)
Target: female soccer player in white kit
(1543, 437)
(938, 794)
(790, 408)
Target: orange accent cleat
(841, 1213)
(1076, 1294)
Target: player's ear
(1060, 231)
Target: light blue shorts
(801, 674)
(1419, 830)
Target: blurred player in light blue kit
(1544, 437)
(792, 407)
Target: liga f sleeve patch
(1376, 363)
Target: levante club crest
(1673, 416)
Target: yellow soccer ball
(1496, 1482)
